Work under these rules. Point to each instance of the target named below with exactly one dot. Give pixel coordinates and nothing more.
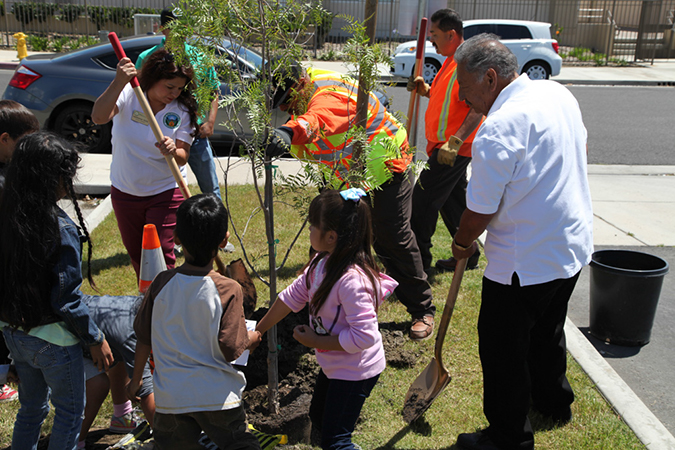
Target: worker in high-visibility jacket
(322, 105)
(450, 126)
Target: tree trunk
(362, 98)
(272, 355)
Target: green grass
(459, 407)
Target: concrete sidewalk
(661, 73)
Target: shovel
(433, 379)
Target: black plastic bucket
(625, 289)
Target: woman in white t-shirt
(143, 188)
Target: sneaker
(422, 328)
(229, 248)
(7, 394)
(124, 424)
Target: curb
(615, 82)
(651, 432)
(99, 214)
(9, 65)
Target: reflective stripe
(443, 121)
(385, 134)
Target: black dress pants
(523, 352)
(440, 188)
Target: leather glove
(447, 153)
(280, 142)
(417, 84)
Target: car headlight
(411, 49)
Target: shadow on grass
(101, 265)
(97, 439)
(420, 427)
(395, 326)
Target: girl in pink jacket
(343, 287)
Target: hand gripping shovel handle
(419, 63)
(119, 51)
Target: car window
(109, 60)
(473, 30)
(244, 53)
(504, 31)
(513, 32)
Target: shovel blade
(426, 387)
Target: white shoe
(229, 248)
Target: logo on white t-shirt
(171, 120)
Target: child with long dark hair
(143, 188)
(42, 314)
(15, 121)
(343, 287)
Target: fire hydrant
(21, 47)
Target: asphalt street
(626, 125)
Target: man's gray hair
(483, 52)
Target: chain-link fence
(587, 30)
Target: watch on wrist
(461, 247)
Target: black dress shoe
(558, 417)
(476, 441)
(448, 265)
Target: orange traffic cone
(152, 258)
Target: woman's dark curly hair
(42, 170)
(162, 66)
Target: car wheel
(74, 123)
(537, 70)
(430, 69)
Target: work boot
(422, 328)
(448, 265)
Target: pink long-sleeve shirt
(349, 313)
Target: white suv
(530, 41)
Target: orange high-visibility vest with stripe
(445, 112)
(322, 133)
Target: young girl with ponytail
(343, 287)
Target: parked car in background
(61, 88)
(530, 41)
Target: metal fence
(50, 22)
(625, 30)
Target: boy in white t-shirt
(192, 318)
